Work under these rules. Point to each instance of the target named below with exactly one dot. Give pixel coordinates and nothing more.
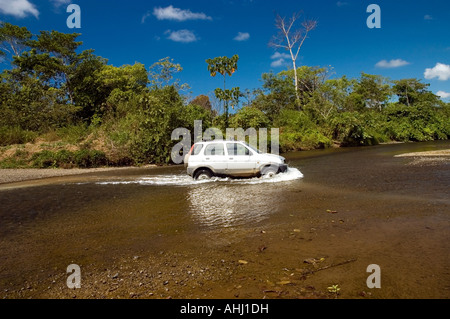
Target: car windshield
(253, 149)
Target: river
(156, 233)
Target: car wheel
(203, 174)
(269, 172)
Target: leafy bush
(299, 132)
(250, 117)
(15, 135)
(73, 134)
(310, 139)
(44, 159)
(67, 159)
(90, 158)
(353, 129)
(420, 122)
(139, 128)
(12, 163)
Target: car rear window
(197, 149)
(214, 150)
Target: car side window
(235, 149)
(214, 150)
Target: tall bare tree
(292, 40)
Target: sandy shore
(427, 158)
(426, 154)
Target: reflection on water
(222, 202)
(227, 206)
(237, 202)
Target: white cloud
(440, 71)
(171, 13)
(18, 8)
(58, 3)
(242, 36)
(444, 95)
(396, 63)
(278, 63)
(342, 3)
(279, 59)
(184, 36)
(278, 55)
(145, 16)
(428, 17)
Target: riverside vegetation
(64, 107)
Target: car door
(215, 157)
(240, 160)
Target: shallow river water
(156, 233)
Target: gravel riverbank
(20, 175)
(28, 174)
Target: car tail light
(192, 148)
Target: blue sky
(413, 41)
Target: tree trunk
(225, 102)
(296, 82)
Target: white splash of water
(185, 180)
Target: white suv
(231, 158)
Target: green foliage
(231, 97)
(421, 122)
(67, 159)
(125, 78)
(299, 132)
(13, 39)
(193, 112)
(89, 92)
(140, 125)
(352, 112)
(307, 140)
(250, 117)
(162, 74)
(12, 163)
(56, 91)
(33, 106)
(15, 135)
(353, 129)
(224, 66)
(409, 91)
(18, 160)
(73, 134)
(374, 90)
(278, 93)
